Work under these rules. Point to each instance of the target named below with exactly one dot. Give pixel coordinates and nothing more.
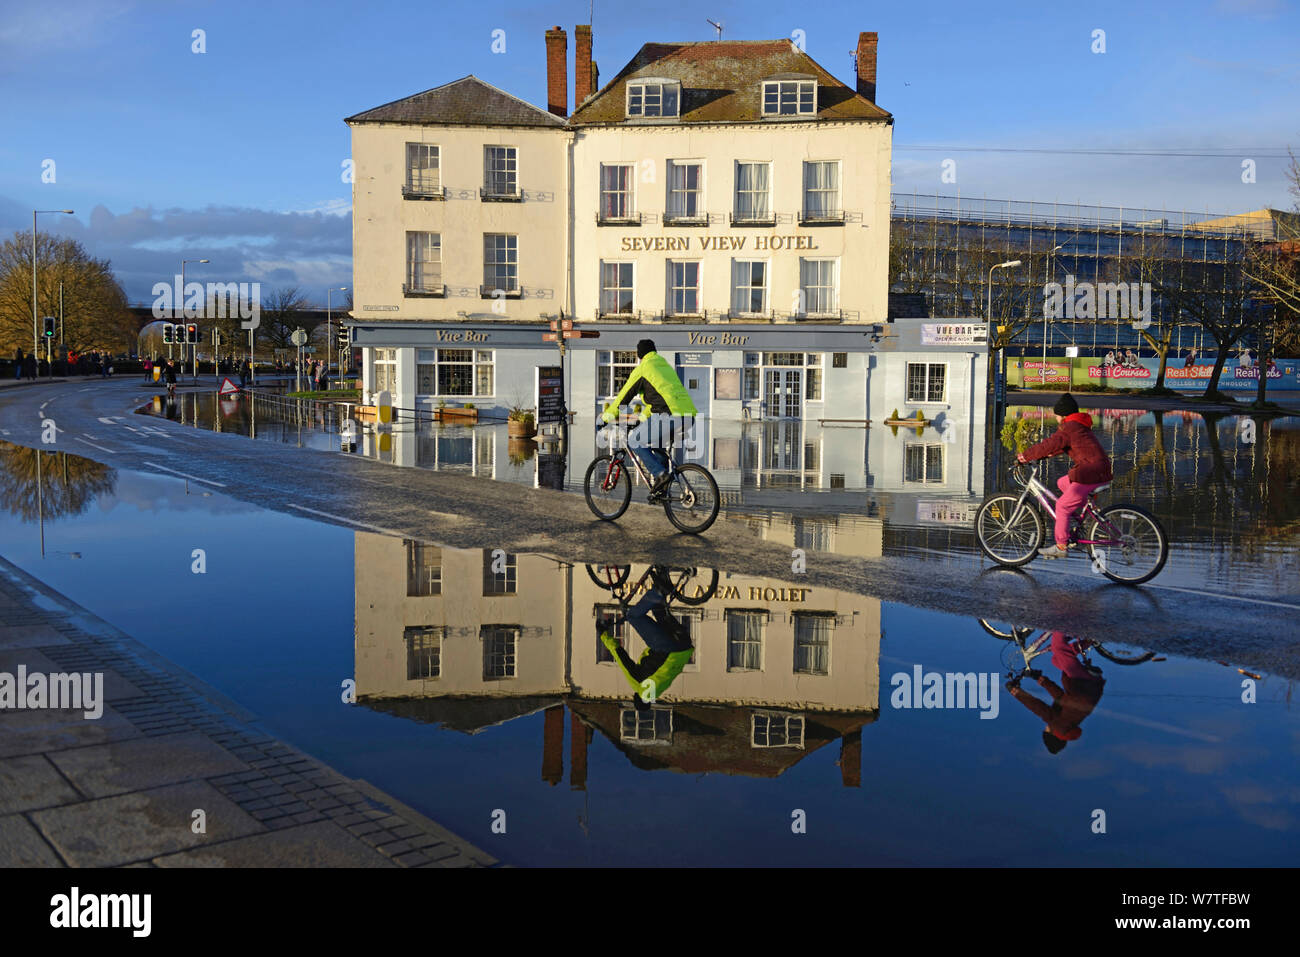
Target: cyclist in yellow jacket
(662, 391)
(668, 648)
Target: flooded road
(1225, 487)
(805, 729)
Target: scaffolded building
(944, 247)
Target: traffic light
(168, 333)
(49, 327)
(192, 333)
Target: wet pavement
(485, 701)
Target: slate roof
(722, 83)
(464, 102)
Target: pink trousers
(1073, 495)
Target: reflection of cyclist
(1091, 466)
(657, 383)
(1070, 704)
(668, 648)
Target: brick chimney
(557, 72)
(584, 80)
(866, 60)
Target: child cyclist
(1091, 466)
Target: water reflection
(760, 672)
(37, 485)
(1072, 681)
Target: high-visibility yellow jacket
(657, 381)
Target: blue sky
(235, 154)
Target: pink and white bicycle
(1126, 543)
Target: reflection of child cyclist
(1072, 700)
(1091, 466)
(657, 383)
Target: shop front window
(455, 372)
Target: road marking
(106, 420)
(348, 521)
(93, 445)
(185, 475)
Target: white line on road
(105, 420)
(93, 445)
(1191, 591)
(348, 521)
(185, 475)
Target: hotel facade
(729, 200)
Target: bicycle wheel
(690, 586)
(609, 577)
(1136, 546)
(1124, 654)
(692, 499)
(1005, 537)
(1005, 632)
(607, 487)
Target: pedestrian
(148, 369)
(29, 366)
(18, 363)
(243, 374)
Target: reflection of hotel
(467, 639)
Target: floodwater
(1225, 487)
(482, 687)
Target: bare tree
(281, 315)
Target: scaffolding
(944, 246)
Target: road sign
(550, 336)
(557, 325)
(299, 337)
(228, 387)
(581, 334)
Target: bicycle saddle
(1100, 488)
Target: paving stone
(142, 824)
(29, 636)
(135, 765)
(32, 732)
(115, 687)
(21, 845)
(304, 845)
(32, 782)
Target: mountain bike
(690, 586)
(690, 498)
(1126, 543)
(1122, 654)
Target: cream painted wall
(382, 218)
(863, 150)
(853, 683)
(383, 610)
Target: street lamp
(1006, 265)
(329, 329)
(1043, 369)
(183, 316)
(992, 335)
(35, 336)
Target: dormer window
(790, 97)
(654, 98)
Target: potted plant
(520, 423)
